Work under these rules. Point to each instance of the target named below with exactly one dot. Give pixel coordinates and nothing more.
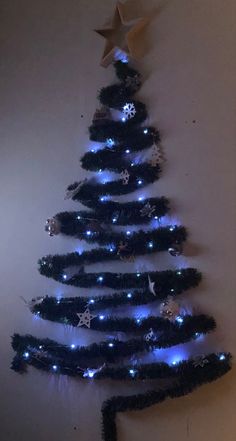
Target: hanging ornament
(102, 115)
(147, 210)
(72, 190)
(156, 156)
(34, 302)
(200, 361)
(151, 286)
(89, 373)
(134, 82)
(53, 226)
(125, 252)
(125, 177)
(129, 110)
(85, 318)
(150, 336)
(175, 250)
(169, 309)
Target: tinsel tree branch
(187, 383)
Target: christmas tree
(125, 159)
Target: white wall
(50, 75)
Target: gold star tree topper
(123, 37)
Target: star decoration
(151, 286)
(85, 318)
(121, 37)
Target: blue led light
(156, 217)
(222, 357)
(114, 220)
(179, 273)
(145, 131)
(150, 245)
(138, 274)
(171, 228)
(58, 301)
(172, 290)
(72, 346)
(100, 278)
(101, 317)
(102, 198)
(40, 347)
(132, 164)
(179, 319)
(26, 354)
(54, 367)
(129, 295)
(138, 320)
(127, 151)
(110, 142)
(110, 345)
(123, 119)
(128, 233)
(132, 372)
(78, 217)
(64, 276)
(140, 182)
(88, 233)
(90, 374)
(91, 301)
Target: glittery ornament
(52, 226)
(169, 309)
(175, 250)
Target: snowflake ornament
(125, 177)
(200, 361)
(147, 210)
(156, 156)
(129, 110)
(150, 336)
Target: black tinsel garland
(190, 326)
(167, 281)
(46, 361)
(137, 242)
(93, 189)
(95, 354)
(98, 303)
(109, 212)
(185, 385)
(91, 356)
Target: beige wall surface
(50, 74)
